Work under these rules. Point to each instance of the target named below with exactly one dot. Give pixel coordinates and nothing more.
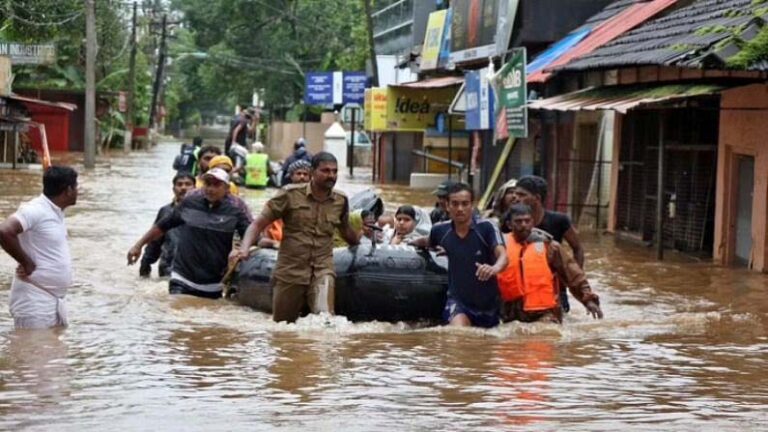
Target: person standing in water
(36, 237)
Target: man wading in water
(36, 237)
(207, 222)
(476, 255)
(304, 275)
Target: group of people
(509, 266)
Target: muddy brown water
(684, 344)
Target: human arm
(421, 242)
(572, 237)
(487, 271)
(572, 275)
(348, 233)
(250, 237)
(9, 240)
(155, 233)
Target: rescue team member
(207, 220)
(532, 191)
(165, 247)
(273, 235)
(257, 167)
(204, 157)
(531, 284)
(304, 274)
(476, 254)
(36, 237)
(224, 163)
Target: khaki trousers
(289, 300)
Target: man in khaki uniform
(312, 211)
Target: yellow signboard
(433, 39)
(415, 109)
(375, 107)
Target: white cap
(217, 173)
(258, 147)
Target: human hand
(134, 254)
(25, 270)
(594, 310)
(484, 271)
(237, 255)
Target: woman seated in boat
(405, 225)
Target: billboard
(433, 40)
(416, 109)
(481, 28)
(375, 109)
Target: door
(745, 189)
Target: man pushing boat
(304, 275)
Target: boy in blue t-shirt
(476, 254)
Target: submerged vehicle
(379, 283)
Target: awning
(623, 99)
(24, 99)
(441, 82)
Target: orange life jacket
(275, 230)
(528, 276)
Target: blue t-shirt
(477, 247)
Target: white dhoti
(34, 307)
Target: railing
(430, 157)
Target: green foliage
(229, 48)
(753, 52)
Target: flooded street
(684, 344)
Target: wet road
(684, 345)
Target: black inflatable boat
(388, 283)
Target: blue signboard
(479, 115)
(319, 88)
(354, 87)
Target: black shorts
(176, 287)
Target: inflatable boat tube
(367, 200)
(390, 283)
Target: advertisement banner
(513, 94)
(479, 96)
(433, 40)
(375, 109)
(20, 53)
(416, 109)
(481, 28)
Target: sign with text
(513, 94)
(433, 39)
(28, 53)
(375, 109)
(479, 98)
(334, 88)
(416, 109)
(318, 89)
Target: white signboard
(28, 54)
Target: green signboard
(513, 95)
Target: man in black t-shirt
(532, 191)
(207, 220)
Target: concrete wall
(282, 135)
(743, 131)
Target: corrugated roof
(623, 98)
(609, 30)
(693, 36)
(441, 82)
(60, 105)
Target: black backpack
(185, 161)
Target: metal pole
(374, 149)
(304, 125)
(450, 146)
(660, 193)
(351, 146)
(90, 84)
(158, 76)
(599, 183)
(15, 147)
(131, 84)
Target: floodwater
(684, 345)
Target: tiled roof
(704, 34)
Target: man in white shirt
(36, 237)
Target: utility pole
(158, 75)
(371, 46)
(90, 84)
(131, 84)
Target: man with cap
(440, 212)
(207, 219)
(221, 162)
(299, 153)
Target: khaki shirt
(307, 246)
